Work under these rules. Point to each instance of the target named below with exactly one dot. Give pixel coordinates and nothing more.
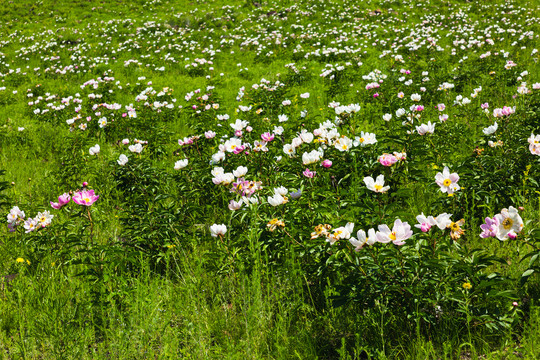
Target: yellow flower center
(447, 182)
(378, 187)
(507, 223)
(87, 200)
(344, 147)
(361, 140)
(454, 227)
(392, 236)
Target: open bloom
(218, 230)
(490, 227)
(94, 150)
(428, 128)
(363, 240)
(342, 232)
(180, 164)
(122, 160)
(376, 185)
(447, 181)
(277, 199)
(85, 197)
(510, 223)
(387, 159)
(401, 231)
(62, 200)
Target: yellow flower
(467, 285)
(20, 260)
(272, 224)
(455, 229)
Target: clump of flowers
(505, 225)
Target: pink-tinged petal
(56, 206)
(454, 177)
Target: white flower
(342, 232)
(240, 171)
(282, 190)
(447, 181)
(218, 230)
(282, 118)
(276, 200)
(278, 130)
(387, 117)
(510, 223)
(425, 128)
(94, 150)
(491, 129)
(416, 97)
(137, 148)
(122, 160)
(180, 164)
(376, 185)
(363, 239)
(43, 218)
(102, 122)
(311, 157)
(235, 205)
(232, 144)
(365, 139)
(219, 156)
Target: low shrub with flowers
(355, 190)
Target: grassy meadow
(269, 179)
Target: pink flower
(85, 197)
(489, 229)
(447, 181)
(209, 134)
(238, 133)
(401, 231)
(326, 163)
(484, 106)
(62, 200)
(267, 136)
(387, 159)
(309, 174)
(441, 107)
(376, 95)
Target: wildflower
(30, 225)
(85, 197)
(296, 194)
(447, 181)
(137, 148)
(342, 232)
(441, 107)
(387, 159)
(365, 139)
(311, 157)
(510, 223)
(308, 173)
(62, 200)
(387, 117)
(235, 205)
(326, 163)
(455, 229)
(467, 285)
(209, 134)
(321, 230)
(401, 231)
(490, 228)
(218, 230)
(416, 97)
(376, 185)
(534, 144)
(122, 160)
(425, 128)
(274, 223)
(277, 200)
(180, 164)
(490, 129)
(282, 118)
(362, 239)
(425, 223)
(240, 171)
(267, 137)
(94, 150)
